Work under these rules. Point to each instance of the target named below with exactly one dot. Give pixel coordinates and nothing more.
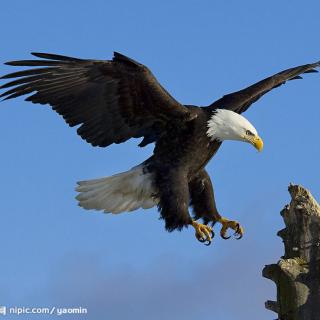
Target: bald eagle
(112, 101)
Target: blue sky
(127, 266)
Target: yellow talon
(203, 233)
(234, 225)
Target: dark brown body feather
(178, 162)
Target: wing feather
(241, 100)
(110, 100)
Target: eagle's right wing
(111, 100)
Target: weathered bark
(297, 274)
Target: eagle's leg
(204, 205)
(204, 233)
(229, 224)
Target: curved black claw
(239, 232)
(212, 234)
(206, 241)
(225, 237)
(238, 236)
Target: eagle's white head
(228, 125)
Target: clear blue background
(53, 253)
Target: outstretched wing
(241, 100)
(111, 100)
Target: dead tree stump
(297, 274)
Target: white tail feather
(126, 191)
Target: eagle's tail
(126, 191)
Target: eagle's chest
(200, 152)
(188, 147)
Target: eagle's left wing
(241, 100)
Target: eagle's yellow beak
(257, 142)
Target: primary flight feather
(114, 100)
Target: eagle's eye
(249, 133)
